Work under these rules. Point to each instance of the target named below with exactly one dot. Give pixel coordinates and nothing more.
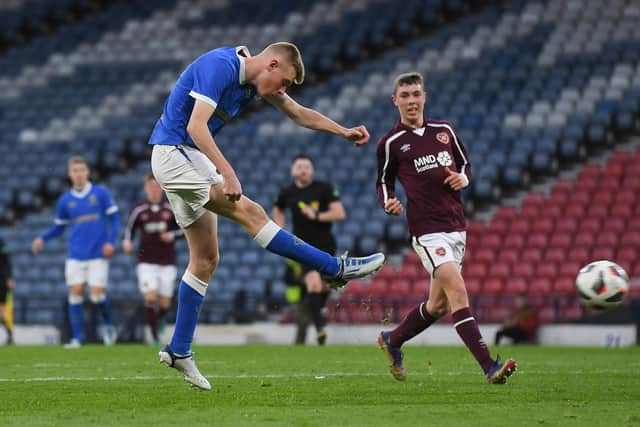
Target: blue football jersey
(217, 78)
(86, 213)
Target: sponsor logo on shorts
(442, 137)
(441, 251)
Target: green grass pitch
(262, 385)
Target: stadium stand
(533, 87)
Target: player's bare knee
(437, 308)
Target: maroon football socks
(416, 321)
(467, 328)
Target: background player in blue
(95, 225)
(200, 182)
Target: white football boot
(186, 365)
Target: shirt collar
(83, 192)
(242, 52)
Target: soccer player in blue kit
(95, 225)
(201, 184)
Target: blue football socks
(285, 244)
(76, 318)
(189, 303)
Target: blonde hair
(77, 159)
(291, 54)
(408, 79)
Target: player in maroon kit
(431, 163)
(156, 253)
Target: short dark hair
(411, 78)
(302, 157)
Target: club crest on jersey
(166, 215)
(405, 148)
(92, 200)
(441, 251)
(442, 137)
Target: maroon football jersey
(152, 220)
(417, 158)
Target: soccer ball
(602, 285)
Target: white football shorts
(434, 249)
(93, 272)
(155, 277)
(186, 175)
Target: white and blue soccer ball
(602, 285)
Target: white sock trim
(194, 283)
(97, 299)
(75, 299)
(267, 233)
(468, 319)
(420, 312)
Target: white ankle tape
(194, 283)
(97, 299)
(75, 299)
(267, 233)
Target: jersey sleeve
(387, 172)
(106, 199)
(62, 215)
(211, 76)
(460, 156)
(132, 223)
(332, 193)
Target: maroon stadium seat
(509, 255)
(356, 288)
(411, 271)
(555, 254)
(491, 241)
(574, 211)
(584, 239)
(622, 211)
(400, 287)
(530, 211)
(506, 212)
(598, 211)
(588, 183)
(546, 270)
(591, 171)
(492, 285)
(565, 285)
(552, 210)
(539, 286)
(558, 198)
(599, 253)
(625, 197)
(412, 258)
(378, 287)
(561, 240)
(604, 198)
(523, 270)
(498, 226)
(607, 239)
(531, 255)
(614, 225)
(579, 254)
(590, 225)
(633, 225)
(631, 238)
(514, 241)
(473, 284)
(547, 315)
(542, 225)
(520, 225)
(537, 241)
(516, 285)
(499, 270)
(566, 225)
(569, 268)
(534, 199)
(484, 255)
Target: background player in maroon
(431, 163)
(156, 255)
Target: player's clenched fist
(393, 206)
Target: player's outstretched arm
(312, 119)
(199, 132)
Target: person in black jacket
(6, 285)
(314, 206)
